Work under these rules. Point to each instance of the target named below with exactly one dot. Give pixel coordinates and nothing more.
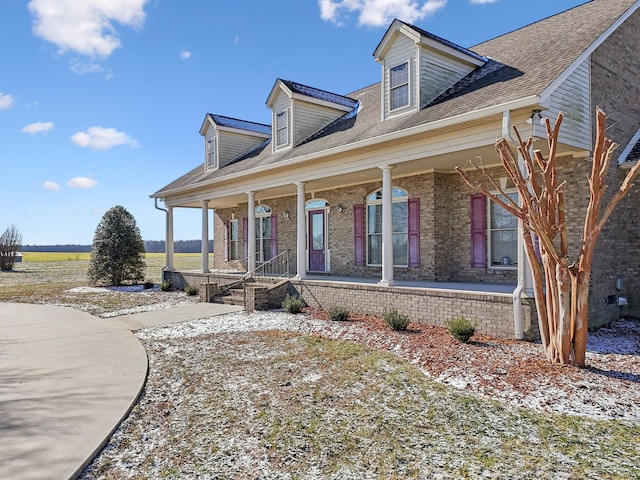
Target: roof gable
(424, 38)
(245, 126)
(310, 94)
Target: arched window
(263, 233)
(315, 204)
(400, 222)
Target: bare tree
(561, 282)
(10, 245)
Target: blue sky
(101, 100)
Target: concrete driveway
(67, 379)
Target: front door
(317, 241)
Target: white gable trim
(544, 97)
(627, 150)
(323, 103)
(249, 133)
(274, 92)
(452, 52)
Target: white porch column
(301, 237)
(387, 227)
(251, 231)
(205, 236)
(168, 245)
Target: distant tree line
(150, 246)
(179, 246)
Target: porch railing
(278, 266)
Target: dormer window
(399, 86)
(282, 129)
(212, 157)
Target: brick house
(360, 192)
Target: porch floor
(449, 286)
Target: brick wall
(493, 312)
(615, 79)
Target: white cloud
(37, 127)
(482, 2)
(6, 101)
(85, 27)
(81, 182)
(49, 185)
(81, 68)
(379, 13)
(100, 138)
(97, 211)
(185, 54)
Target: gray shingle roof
(319, 94)
(523, 63)
(230, 122)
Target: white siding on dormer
(438, 73)
(231, 145)
(310, 118)
(573, 99)
(281, 103)
(403, 50)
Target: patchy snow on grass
(506, 370)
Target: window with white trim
(502, 234)
(400, 227)
(233, 240)
(263, 233)
(399, 86)
(282, 128)
(212, 156)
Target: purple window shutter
(245, 236)
(478, 231)
(414, 232)
(225, 241)
(358, 234)
(274, 234)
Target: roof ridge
(238, 119)
(290, 83)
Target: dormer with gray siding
(418, 66)
(226, 139)
(299, 111)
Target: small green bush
(191, 290)
(461, 328)
(395, 319)
(293, 304)
(165, 286)
(338, 314)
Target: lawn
(226, 400)
(44, 277)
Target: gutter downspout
(517, 293)
(166, 212)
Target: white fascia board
(452, 52)
(525, 102)
(627, 150)
(240, 131)
(206, 123)
(272, 96)
(387, 39)
(317, 101)
(546, 94)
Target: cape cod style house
(356, 195)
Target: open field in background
(46, 277)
